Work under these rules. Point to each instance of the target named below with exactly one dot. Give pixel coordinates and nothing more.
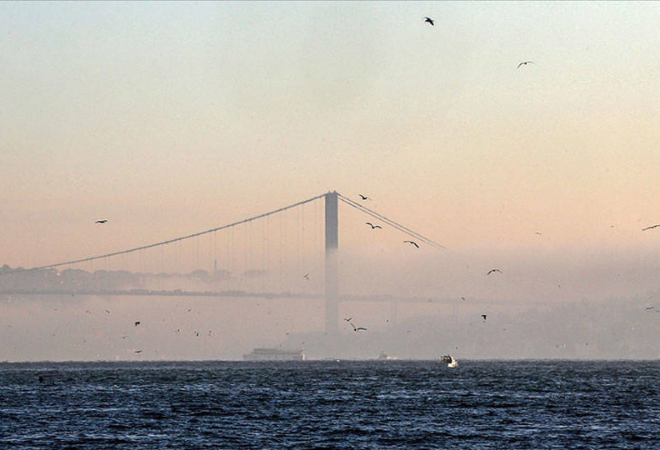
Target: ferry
(274, 354)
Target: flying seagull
(412, 242)
(137, 323)
(356, 329)
(306, 276)
(363, 197)
(138, 351)
(651, 227)
(493, 270)
(102, 221)
(373, 226)
(429, 20)
(484, 316)
(524, 63)
(649, 308)
(348, 320)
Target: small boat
(451, 362)
(385, 357)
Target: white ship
(274, 354)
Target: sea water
(331, 404)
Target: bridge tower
(331, 263)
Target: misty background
(171, 118)
(555, 314)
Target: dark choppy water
(388, 404)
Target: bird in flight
(493, 270)
(649, 308)
(412, 242)
(137, 323)
(651, 227)
(356, 329)
(102, 221)
(463, 298)
(373, 226)
(363, 197)
(138, 351)
(428, 20)
(484, 316)
(306, 276)
(524, 63)
(348, 320)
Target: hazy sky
(172, 118)
(169, 118)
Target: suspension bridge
(258, 280)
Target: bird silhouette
(102, 221)
(412, 242)
(306, 276)
(428, 20)
(373, 226)
(649, 308)
(524, 63)
(651, 227)
(137, 323)
(493, 270)
(356, 329)
(348, 319)
(363, 197)
(484, 316)
(138, 351)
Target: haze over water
(171, 118)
